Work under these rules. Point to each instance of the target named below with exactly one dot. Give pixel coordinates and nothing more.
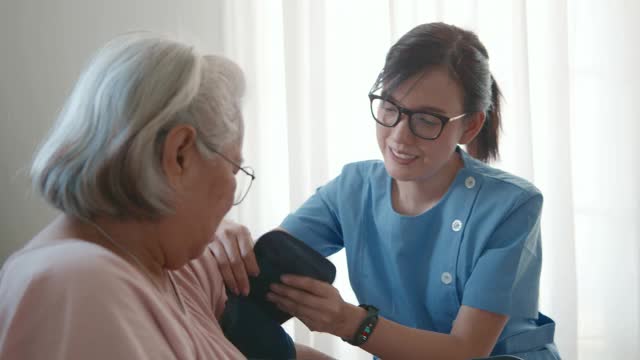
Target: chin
(401, 173)
(200, 251)
(197, 251)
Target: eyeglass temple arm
(458, 117)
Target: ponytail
(485, 146)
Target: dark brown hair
(461, 52)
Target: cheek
(225, 194)
(381, 134)
(221, 192)
(216, 204)
(453, 132)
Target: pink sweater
(77, 300)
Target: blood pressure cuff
(252, 332)
(252, 323)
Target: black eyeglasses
(425, 125)
(244, 179)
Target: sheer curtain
(568, 70)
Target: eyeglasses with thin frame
(244, 179)
(423, 124)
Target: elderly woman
(143, 163)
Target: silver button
(456, 225)
(470, 182)
(446, 278)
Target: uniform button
(446, 278)
(470, 182)
(456, 225)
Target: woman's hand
(233, 249)
(317, 304)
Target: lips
(402, 158)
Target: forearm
(391, 340)
(474, 334)
(304, 352)
(321, 308)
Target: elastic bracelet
(366, 326)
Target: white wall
(44, 45)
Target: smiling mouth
(402, 158)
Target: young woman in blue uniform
(443, 250)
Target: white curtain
(569, 72)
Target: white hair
(103, 156)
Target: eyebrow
(431, 109)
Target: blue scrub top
(479, 246)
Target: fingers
(310, 285)
(318, 304)
(308, 314)
(233, 248)
(315, 318)
(298, 296)
(224, 266)
(245, 243)
(237, 266)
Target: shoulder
(363, 169)
(358, 174)
(354, 182)
(67, 257)
(65, 268)
(500, 178)
(501, 188)
(76, 299)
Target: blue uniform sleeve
(506, 276)
(317, 222)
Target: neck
(417, 196)
(139, 243)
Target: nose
(401, 133)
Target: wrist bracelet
(366, 327)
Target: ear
(473, 125)
(178, 153)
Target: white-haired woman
(143, 163)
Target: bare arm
(304, 352)
(319, 305)
(474, 334)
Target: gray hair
(103, 156)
